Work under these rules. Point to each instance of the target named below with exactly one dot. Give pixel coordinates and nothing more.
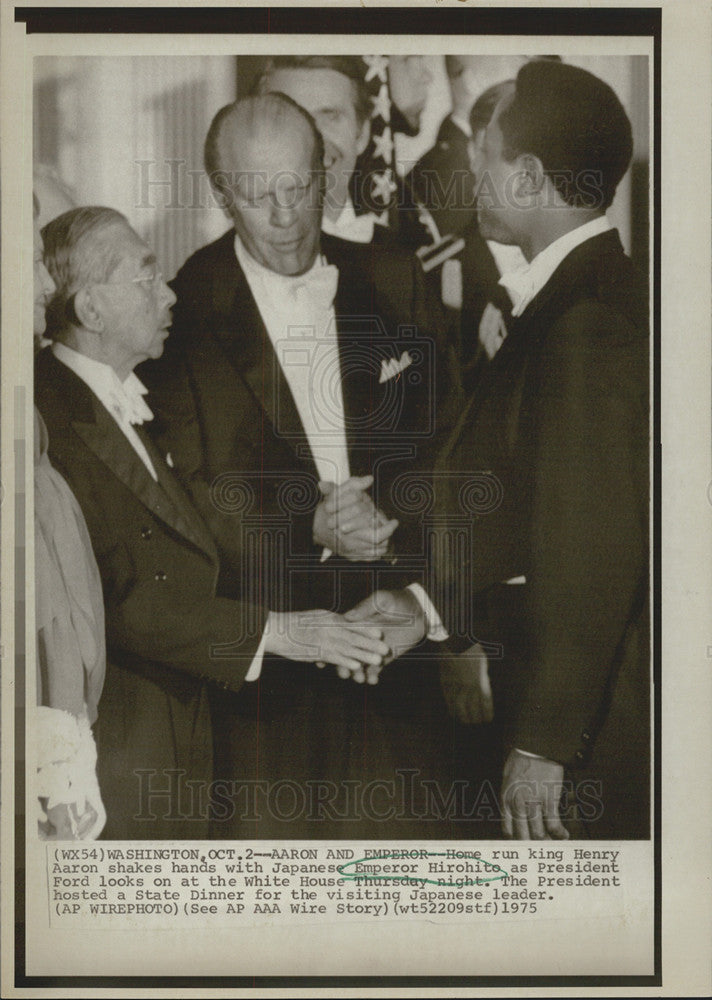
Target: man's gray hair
(78, 251)
(251, 115)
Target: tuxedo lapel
(185, 519)
(243, 336)
(98, 430)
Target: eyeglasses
(149, 282)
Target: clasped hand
(400, 617)
(347, 521)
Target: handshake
(359, 643)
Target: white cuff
(435, 630)
(256, 666)
(525, 753)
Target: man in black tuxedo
(556, 572)
(290, 385)
(168, 633)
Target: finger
(365, 655)
(372, 674)
(366, 609)
(326, 487)
(536, 822)
(385, 531)
(344, 673)
(358, 519)
(359, 676)
(371, 631)
(357, 484)
(320, 664)
(355, 515)
(507, 823)
(555, 828)
(521, 828)
(338, 499)
(356, 551)
(367, 529)
(348, 663)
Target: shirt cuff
(435, 630)
(525, 753)
(256, 666)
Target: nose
(282, 214)
(48, 285)
(167, 294)
(331, 153)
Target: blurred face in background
(409, 79)
(43, 284)
(329, 98)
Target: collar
(462, 124)
(123, 399)
(525, 282)
(349, 226)
(279, 290)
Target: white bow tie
(317, 285)
(128, 400)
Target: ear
(532, 176)
(86, 311)
(364, 136)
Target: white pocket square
(390, 367)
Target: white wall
(112, 127)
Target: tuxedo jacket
(558, 434)
(229, 419)
(167, 633)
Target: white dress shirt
(124, 400)
(351, 227)
(525, 282)
(298, 314)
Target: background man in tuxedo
(289, 386)
(167, 631)
(558, 568)
(332, 89)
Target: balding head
(264, 156)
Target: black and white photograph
(340, 517)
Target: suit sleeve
(589, 535)
(212, 638)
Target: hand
(347, 521)
(465, 685)
(401, 618)
(324, 636)
(531, 791)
